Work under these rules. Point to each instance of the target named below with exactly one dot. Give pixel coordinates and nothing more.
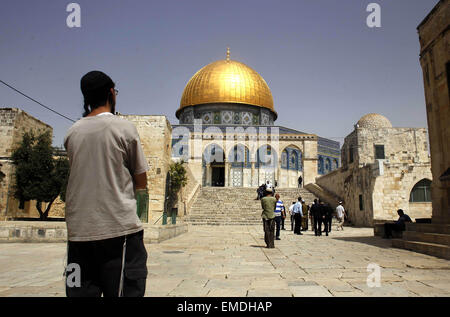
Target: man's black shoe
(277, 239)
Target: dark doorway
(218, 176)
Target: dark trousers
(313, 224)
(269, 231)
(282, 223)
(277, 226)
(318, 226)
(298, 223)
(327, 222)
(100, 265)
(389, 227)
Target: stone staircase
(431, 239)
(237, 205)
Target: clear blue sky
(324, 66)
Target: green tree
(178, 179)
(39, 176)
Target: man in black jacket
(328, 216)
(315, 215)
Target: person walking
(107, 169)
(340, 215)
(300, 179)
(279, 209)
(328, 216)
(268, 204)
(297, 211)
(316, 215)
(321, 217)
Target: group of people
(264, 187)
(274, 215)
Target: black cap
(94, 81)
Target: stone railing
(323, 194)
(188, 194)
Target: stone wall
(155, 133)
(434, 38)
(373, 190)
(13, 124)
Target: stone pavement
(228, 261)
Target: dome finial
(228, 53)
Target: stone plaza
(231, 261)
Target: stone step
(233, 205)
(428, 227)
(438, 250)
(436, 238)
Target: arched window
(421, 192)
(240, 156)
(266, 157)
(327, 165)
(284, 162)
(293, 163)
(320, 165)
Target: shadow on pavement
(375, 241)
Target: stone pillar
(252, 181)
(208, 174)
(227, 174)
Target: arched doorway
(213, 166)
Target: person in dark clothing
(260, 191)
(315, 214)
(328, 216)
(321, 217)
(297, 211)
(399, 225)
(300, 179)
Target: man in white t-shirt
(107, 169)
(340, 215)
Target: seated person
(399, 225)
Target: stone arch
(266, 157)
(327, 167)
(239, 155)
(213, 152)
(287, 155)
(335, 164)
(320, 165)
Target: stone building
(13, 124)
(384, 168)
(228, 136)
(434, 41)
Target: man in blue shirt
(298, 214)
(279, 209)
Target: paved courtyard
(232, 261)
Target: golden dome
(227, 81)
